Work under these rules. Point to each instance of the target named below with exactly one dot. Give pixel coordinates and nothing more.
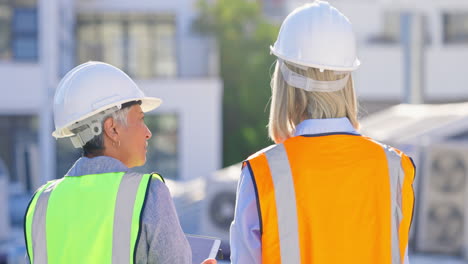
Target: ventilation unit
(219, 203)
(188, 197)
(442, 205)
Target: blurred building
(153, 41)
(381, 25)
(274, 9)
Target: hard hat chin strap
(87, 129)
(302, 82)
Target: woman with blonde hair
(323, 193)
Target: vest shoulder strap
(156, 175)
(28, 219)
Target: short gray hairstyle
(95, 146)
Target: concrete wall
(447, 72)
(198, 104)
(22, 90)
(380, 75)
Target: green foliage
(244, 37)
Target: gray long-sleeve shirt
(161, 239)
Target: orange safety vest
(333, 198)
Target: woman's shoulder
(389, 150)
(158, 197)
(260, 152)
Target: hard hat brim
(147, 104)
(315, 65)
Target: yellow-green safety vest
(87, 219)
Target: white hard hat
(317, 35)
(92, 88)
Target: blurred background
(209, 61)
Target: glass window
(163, 146)
(87, 36)
(392, 28)
(19, 149)
(455, 28)
(139, 43)
(19, 30)
(25, 20)
(24, 3)
(24, 32)
(66, 155)
(165, 64)
(142, 45)
(25, 48)
(112, 42)
(5, 21)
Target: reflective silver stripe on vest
(396, 181)
(38, 229)
(123, 217)
(285, 198)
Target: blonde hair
(290, 105)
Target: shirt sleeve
(245, 236)
(406, 261)
(166, 242)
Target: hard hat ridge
(316, 35)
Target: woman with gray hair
(323, 193)
(100, 212)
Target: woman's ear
(110, 129)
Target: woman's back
(337, 197)
(344, 195)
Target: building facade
(153, 41)
(386, 73)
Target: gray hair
(95, 146)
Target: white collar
(325, 126)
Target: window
(390, 29)
(162, 156)
(455, 28)
(392, 26)
(19, 150)
(24, 41)
(66, 156)
(5, 18)
(142, 45)
(18, 30)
